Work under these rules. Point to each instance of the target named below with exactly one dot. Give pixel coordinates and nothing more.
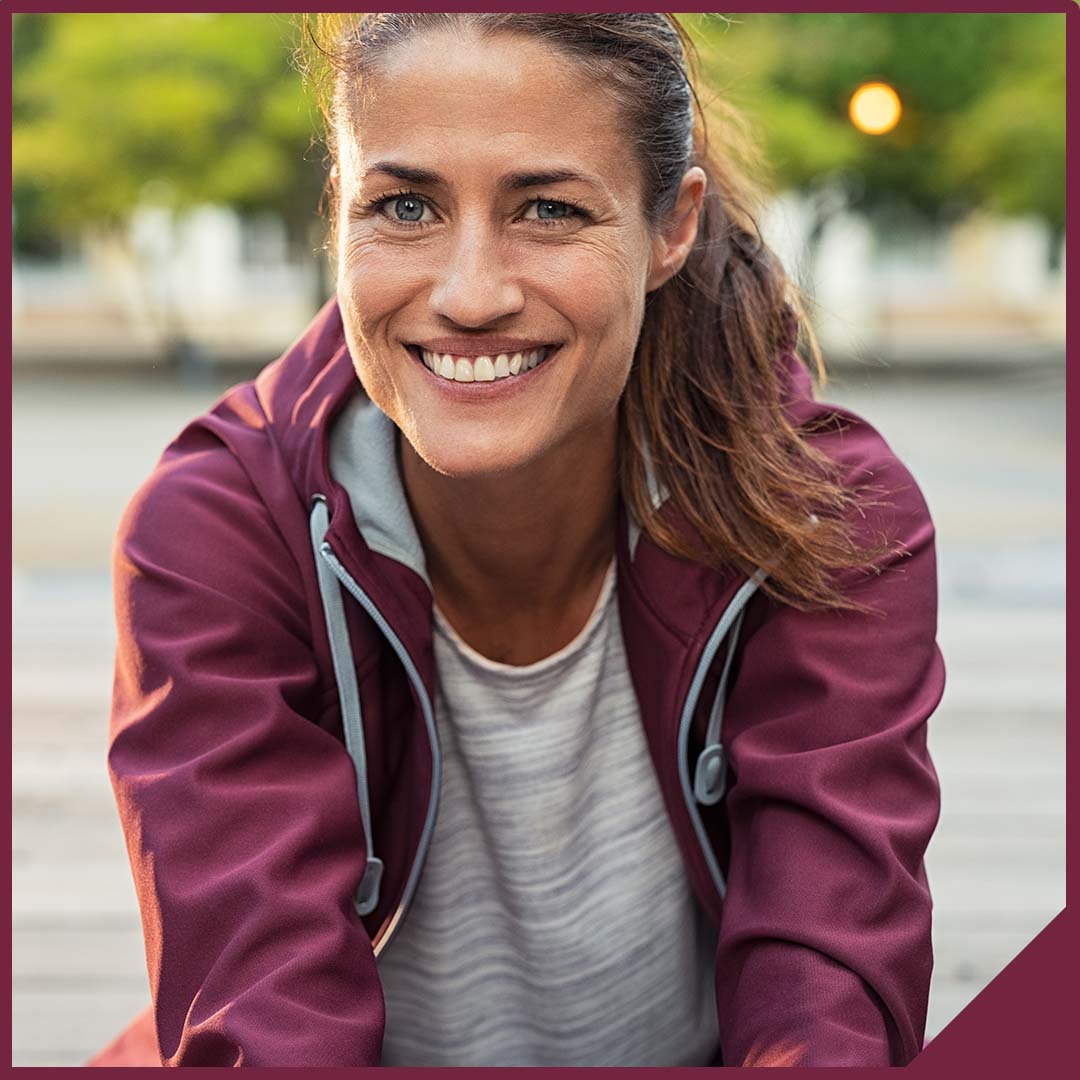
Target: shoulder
(888, 503)
(862, 663)
(224, 508)
(198, 488)
(889, 494)
(198, 527)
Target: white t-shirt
(553, 923)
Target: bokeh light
(875, 108)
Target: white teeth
(481, 368)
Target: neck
(530, 541)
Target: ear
(672, 247)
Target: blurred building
(215, 288)
(987, 290)
(211, 287)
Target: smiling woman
(518, 671)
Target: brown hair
(704, 399)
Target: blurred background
(166, 173)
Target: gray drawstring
(367, 894)
(710, 775)
(707, 785)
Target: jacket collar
(364, 459)
(337, 443)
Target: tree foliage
(193, 107)
(208, 108)
(983, 95)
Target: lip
(477, 392)
(474, 347)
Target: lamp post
(875, 109)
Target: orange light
(875, 108)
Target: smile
(466, 369)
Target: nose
(474, 286)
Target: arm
(824, 956)
(240, 812)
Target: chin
(468, 459)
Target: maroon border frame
(1020, 1024)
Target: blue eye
(550, 210)
(407, 208)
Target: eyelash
(376, 206)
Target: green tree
(204, 107)
(1007, 148)
(208, 109)
(983, 100)
(110, 111)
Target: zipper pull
(367, 894)
(710, 774)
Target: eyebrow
(510, 181)
(408, 173)
(516, 181)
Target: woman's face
(490, 219)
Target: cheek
(371, 289)
(604, 300)
(374, 283)
(604, 282)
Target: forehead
(486, 103)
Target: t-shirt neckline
(477, 659)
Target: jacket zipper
(381, 941)
(692, 792)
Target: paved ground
(988, 451)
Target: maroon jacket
(275, 762)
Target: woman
(522, 670)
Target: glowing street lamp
(874, 108)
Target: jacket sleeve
(240, 813)
(824, 954)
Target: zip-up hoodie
(275, 758)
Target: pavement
(985, 444)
